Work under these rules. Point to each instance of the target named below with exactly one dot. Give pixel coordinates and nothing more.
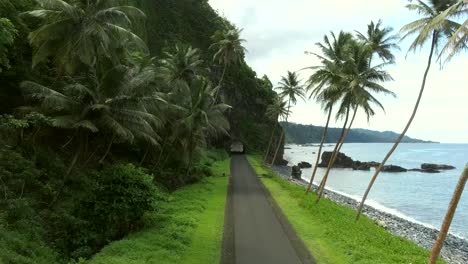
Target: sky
(278, 33)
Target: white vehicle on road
(237, 147)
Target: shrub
(21, 247)
(113, 205)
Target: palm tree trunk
(448, 217)
(221, 81)
(77, 154)
(347, 130)
(144, 156)
(282, 135)
(269, 143)
(107, 150)
(319, 153)
(333, 158)
(423, 85)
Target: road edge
(301, 249)
(228, 254)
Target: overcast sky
(278, 33)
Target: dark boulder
(373, 164)
(304, 164)
(357, 165)
(296, 172)
(425, 171)
(342, 161)
(393, 168)
(430, 166)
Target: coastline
(455, 250)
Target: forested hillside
(105, 109)
(303, 134)
(194, 22)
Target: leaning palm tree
(182, 64)
(359, 81)
(291, 88)
(380, 41)
(228, 48)
(326, 81)
(79, 32)
(437, 247)
(277, 110)
(427, 31)
(459, 39)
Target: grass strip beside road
(330, 231)
(187, 229)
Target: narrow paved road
(259, 236)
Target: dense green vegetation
(303, 134)
(329, 230)
(106, 107)
(187, 228)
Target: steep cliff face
(194, 22)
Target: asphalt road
(260, 233)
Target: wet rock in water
(430, 166)
(304, 164)
(296, 172)
(373, 164)
(342, 161)
(425, 171)
(357, 165)
(393, 168)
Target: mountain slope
(303, 134)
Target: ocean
(419, 197)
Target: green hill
(303, 134)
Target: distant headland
(304, 134)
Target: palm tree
(79, 32)
(326, 81)
(427, 31)
(202, 117)
(380, 41)
(183, 64)
(116, 106)
(448, 217)
(277, 110)
(359, 81)
(291, 88)
(459, 39)
(228, 48)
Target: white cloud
(278, 33)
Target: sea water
(415, 196)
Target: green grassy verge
(188, 228)
(329, 230)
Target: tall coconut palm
(201, 117)
(426, 31)
(79, 32)
(459, 39)
(183, 64)
(276, 111)
(290, 87)
(380, 41)
(326, 82)
(228, 48)
(359, 81)
(437, 247)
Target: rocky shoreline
(455, 250)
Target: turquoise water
(418, 197)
